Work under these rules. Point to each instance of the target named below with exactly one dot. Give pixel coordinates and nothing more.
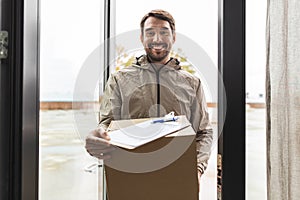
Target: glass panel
(70, 30)
(197, 37)
(256, 177)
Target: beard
(157, 56)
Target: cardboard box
(164, 169)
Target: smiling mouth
(158, 47)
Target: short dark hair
(160, 14)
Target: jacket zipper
(158, 86)
(157, 89)
(158, 94)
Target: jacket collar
(143, 62)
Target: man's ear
(141, 38)
(174, 36)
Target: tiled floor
(64, 161)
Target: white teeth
(158, 47)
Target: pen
(165, 120)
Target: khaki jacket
(144, 90)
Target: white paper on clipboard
(139, 134)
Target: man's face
(157, 39)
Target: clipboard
(141, 133)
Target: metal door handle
(3, 44)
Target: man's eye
(165, 33)
(150, 33)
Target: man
(154, 86)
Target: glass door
(72, 49)
(256, 188)
(70, 32)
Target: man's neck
(160, 63)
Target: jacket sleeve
(110, 105)
(201, 124)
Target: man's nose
(157, 38)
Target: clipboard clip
(167, 118)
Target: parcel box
(164, 169)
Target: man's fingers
(97, 140)
(100, 155)
(97, 144)
(100, 132)
(96, 149)
(103, 156)
(104, 135)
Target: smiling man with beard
(152, 87)
(157, 36)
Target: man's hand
(97, 144)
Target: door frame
(30, 102)
(231, 106)
(11, 124)
(20, 153)
(20, 108)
